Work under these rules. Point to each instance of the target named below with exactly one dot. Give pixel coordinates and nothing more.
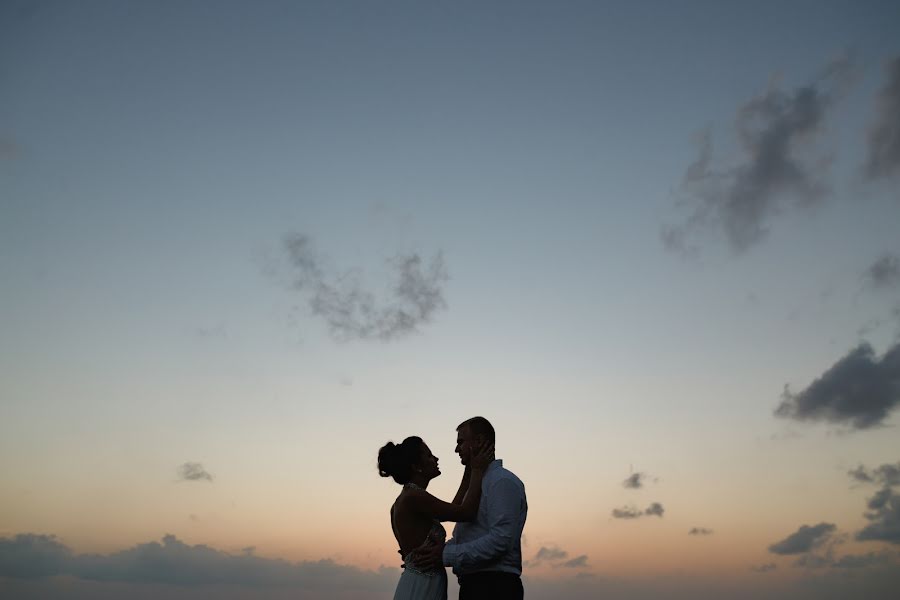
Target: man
(486, 554)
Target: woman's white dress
(418, 585)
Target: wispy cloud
(655, 509)
(634, 481)
(632, 512)
(828, 560)
(700, 531)
(862, 561)
(884, 273)
(765, 568)
(815, 560)
(193, 471)
(557, 558)
(550, 553)
(353, 312)
(883, 159)
(627, 512)
(576, 563)
(859, 390)
(806, 538)
(774, 175)
(886, 474)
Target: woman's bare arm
(425, 503)
(466, 510)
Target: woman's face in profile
(428, 462)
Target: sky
(243, 245)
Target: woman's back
(411, 528)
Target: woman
(416, 515)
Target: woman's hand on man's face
(482, 455)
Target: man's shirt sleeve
(504, 505)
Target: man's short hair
(479, 426)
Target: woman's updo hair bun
(397, 460)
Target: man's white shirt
(493, 541)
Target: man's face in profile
(465, 441)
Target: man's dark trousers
(491, 585)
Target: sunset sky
(244, 244)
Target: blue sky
(154, 157)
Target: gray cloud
(861, 474)
(554, 553)
(192, 471)
(812, 560)
(861, 561)
(627, 512)
(886, 474)
(576, 563)
(352, 312)
(876, 582)
(634, 481)
(28, 556)
(883, 517)
(870, 584)
(764, 568)
(700, 531)
(557, 557)
(804, 539)
(880, 499)
(827, 560)
(883, 507)
(773, 176)
(884, 273)
(883, 158)
(821, 553)
(858, 390)
(631, 512)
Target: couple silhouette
(489, 509)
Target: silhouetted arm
(425, 503)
